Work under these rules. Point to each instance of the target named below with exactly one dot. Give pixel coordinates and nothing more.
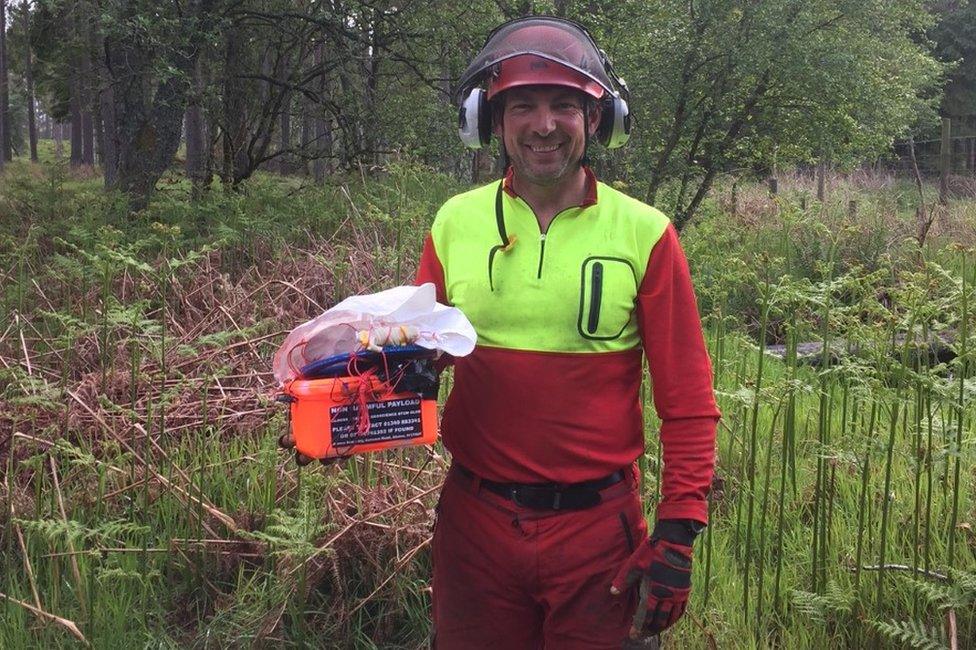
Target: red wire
(363, 396)
(291, 366)
(364, 391)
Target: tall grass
(146, 502)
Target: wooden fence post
(821, 180)
(945, 160)
(773, 186)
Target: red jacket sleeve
(681, 376)
(430, 270)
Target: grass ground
(147, 504)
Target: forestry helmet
(541, 50)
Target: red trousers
(509, 577)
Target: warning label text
(396, 419)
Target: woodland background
(315, 87)
(184, 181)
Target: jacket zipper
(542, 238)
(596, 296)
(542, 241)
(542, 252)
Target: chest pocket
(608, 288)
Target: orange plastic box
(325, 417)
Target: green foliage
(294, 532)
(955, 38)
(834, 602)
(718, 85)
(113, 531)
(112, 575)
(959, 594)
(22, 388)
(76, 456)
(943, 596)
(914, 634)
(820, 254)
(722, 86)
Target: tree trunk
(5, 149)
(321, 165)
(350, 143)
(109, 128)
(74, 88)
(945, 160)
(211, 134)
(258, 138)
(821, 180)
(58, 140)
(99, 128)
(235, 117)
(923, 217)
(193, 128)
(29, 79)
(75, 98)
(149, 136)
(149, 120)
(306, 134)
(321, 148)
(322, 131)
(195, 139)
(87, 138)
(658, 172)
(31, 121)
(88, 85)
(284, 138)
(105, 123)
(369, 140)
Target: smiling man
(540, 539)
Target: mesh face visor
(554, 39)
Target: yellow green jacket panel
(571, 289)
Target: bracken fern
(913, 633)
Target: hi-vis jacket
(552, 391)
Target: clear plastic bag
(358, 322)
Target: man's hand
(662, 564)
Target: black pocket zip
(596, 295)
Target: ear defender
(474, 119)
(614, 128)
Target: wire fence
(960, 157)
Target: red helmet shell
(533, 70)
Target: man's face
(542, 129)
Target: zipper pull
(542, 237)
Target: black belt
(549, 496)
